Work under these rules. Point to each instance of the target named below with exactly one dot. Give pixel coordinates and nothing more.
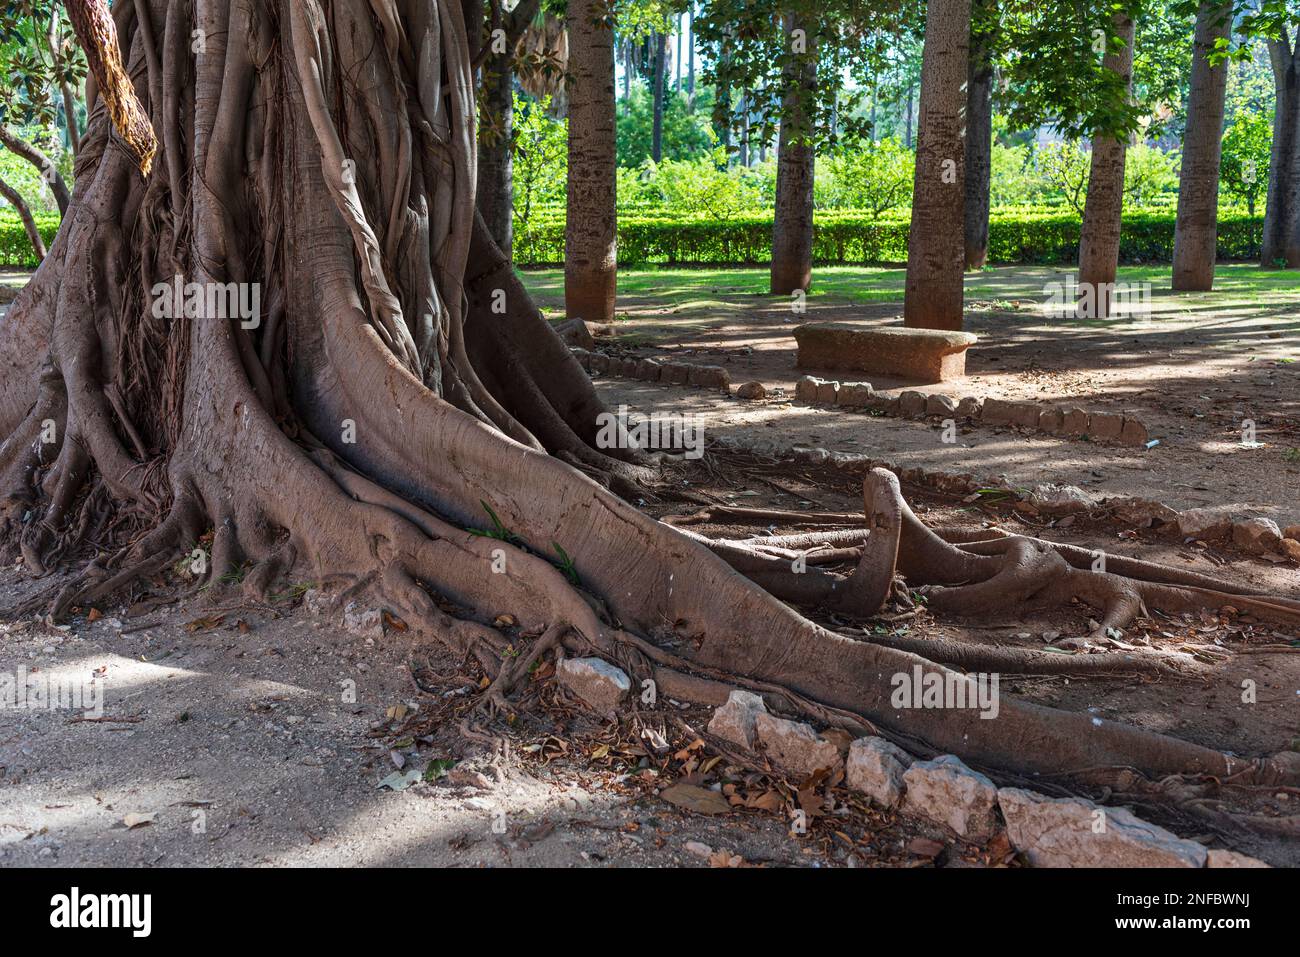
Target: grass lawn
(1243, 282)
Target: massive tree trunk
(357, 427)
(936, 244)
(1282, 213)
(590, 238)
(1103, 209)
(792, 222)
(979, 138)
(24, 211)
(1196, 230)
(11, 141)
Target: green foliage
(1034, 236)
(15, 249)
(1063, 169)
(25, 178)
(686, 134)
(876, 177)
(702, 186)
(1247, 151)
(1014, 180)
(35, 66)
(1150, 175)
(541, 160)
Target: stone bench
(920, 355)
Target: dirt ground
(1191, 371)
(230, 735)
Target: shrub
(1041, 236)
(15, 248)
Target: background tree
(1196, 229)
(1247, 150)
(499, 50)
(979, 131)
(936, 243)
(590, 238)
(43, 70)
(794, 90)
(1103, 209)
(1278, 23)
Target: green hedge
(15, 248)
(1050, 238)
(1037, 238)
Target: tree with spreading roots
(397, 391)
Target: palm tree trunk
(1102, 210)
(1282, 213)
(1196, 231)
(792, 223)
(935, 245)
(590, 243)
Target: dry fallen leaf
(689, 797)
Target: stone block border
(948, 795)
(1070, 422)
(653, 370)
(1252, 534)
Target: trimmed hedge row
(15, 248)
(839, 237)
(851, 237)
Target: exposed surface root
(387, 429)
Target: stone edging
(1109, 427)
(1254, 535)
(653, 370)
(943, 791)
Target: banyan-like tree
(399, 382)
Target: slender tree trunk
(661, 54)
(872, 132)
(1103, 208)
(935, 246)
(54, 42)
(690, 57)
(590, 241)
(907, 135)
(1282, 212)
(16, 200)
(792, 223)
(979, 146)
(495, 193)
(1196, 230)
(744, 129)
(677, 56)
(627, 78)
(49, 172)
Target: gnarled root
(384, 429)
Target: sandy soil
(229, 738)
